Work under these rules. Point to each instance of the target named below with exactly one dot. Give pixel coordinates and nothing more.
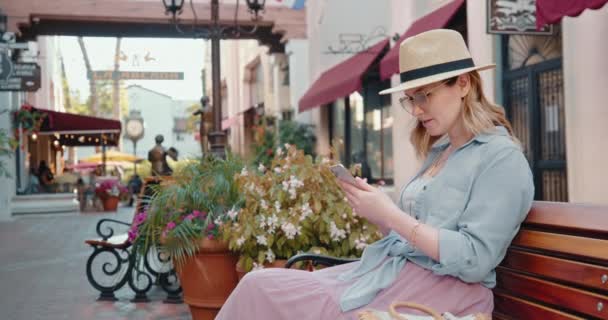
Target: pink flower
(189, 217)
(195, 213)
(210, 237)
(170, 226)
(132, 234)
(211, 226)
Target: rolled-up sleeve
(500, 199)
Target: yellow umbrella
(111, 155)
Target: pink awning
(434, 20)
(552, 11)
(342, 79)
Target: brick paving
(42, 272)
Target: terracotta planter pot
(110, 203)
(279, 263)
(208, 278)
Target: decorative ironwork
(119, 265)
(349, 43)
(113, 271)
(529, 50)
(110, 231)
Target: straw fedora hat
(433, 56)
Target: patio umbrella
(111, 155)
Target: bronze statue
(158, 158)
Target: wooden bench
(556, 267)
(115, 256)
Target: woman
(453, 222)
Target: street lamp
(217, 138)
(134, 130)
(173, 7)
(255, 6)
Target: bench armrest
(318, 259)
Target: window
(361, 131)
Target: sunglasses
(420, 98)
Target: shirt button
(424, 188)
(469, 262)
(417, 217)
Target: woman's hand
(370, 202)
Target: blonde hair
(478, 114)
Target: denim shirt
(477, 201)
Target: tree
(92, 83)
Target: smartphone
(343, 174)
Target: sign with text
(135, 75)
(24, 77)
(514, 17)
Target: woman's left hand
(370, 202)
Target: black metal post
(103, 158)
(135, 155)
(217, 137)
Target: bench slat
(552, 293)
(583, 274)
(568, 216)
(566, 244)
(521, 309)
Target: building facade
(165, 116)
(550, 86)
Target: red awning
(439, 18)
(342, 79)
(552, 11)
(78, 130)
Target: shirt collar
(482, 137)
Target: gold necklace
(440, 160)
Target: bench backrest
(557, 266)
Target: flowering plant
(110, 188)
(27, 120)
(192, 206)
(295, 205)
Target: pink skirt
(295, 294)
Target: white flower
(360, 245)
(306, 211)
(290, 230)
(277, 205)
(261, 167)
(287, 146)
(261, 240)
(232, 213)
(344, 216)
(316, 251)
(257, 267)
(263, 204)
(244, 172)
(272, 222)
(279, 151)
(277, 169)
(270, 256)
(335, 233)
(218, 221)
(285, 185)
(240, 241)
(324, 160)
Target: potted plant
(184, 217)
(293, 206)
(110, 192)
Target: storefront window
(368, 138)
(337, 120)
